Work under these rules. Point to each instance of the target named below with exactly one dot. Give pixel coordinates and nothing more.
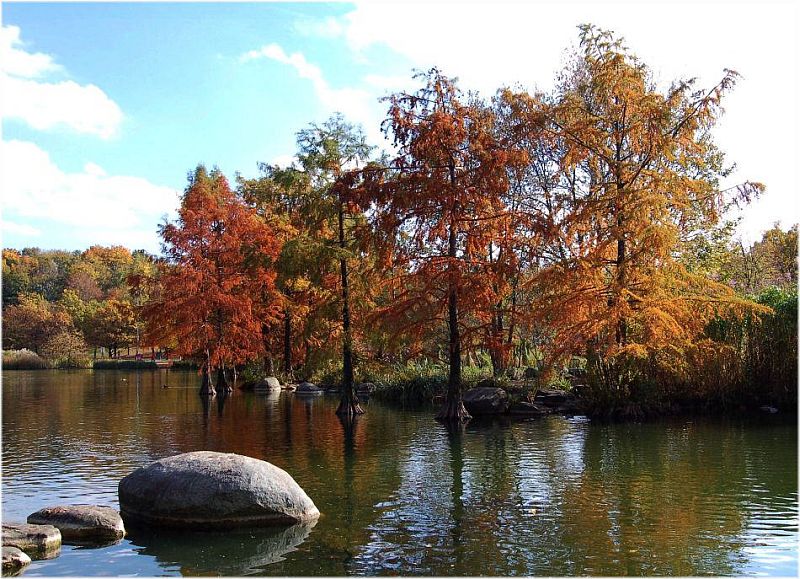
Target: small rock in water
(269, 383)
(36, 541)
(82, 524)
(308, 388)
(365, 388)
(14, 561)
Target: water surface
(400, 494)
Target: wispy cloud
(44, 105)
(329, 27)
(356, 104)
(20, 229)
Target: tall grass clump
(23, 360)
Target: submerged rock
(485, 400)
(308, 388)
(36, 541)
(213, 490)
(267, 384)
(529, 409)
(14, 560)
(82, 523)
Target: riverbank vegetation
(505, 239)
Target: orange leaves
(617, 175)
(438, 211)
(219, 283)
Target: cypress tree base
(222, 383)
(207, 391)
(349, 409)
(206, 387)
(453, 410)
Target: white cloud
(489, 46)
(357, 105)
(283, 161)
(83, 108)
(46, 105)
(20, 229)
(328, 28)
(90, 204)
(17, 62)
(390, 83)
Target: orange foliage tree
(629, 173)
(436, 214)
(218, 283)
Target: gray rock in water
(37, 541)
(82, 524)
(552, 398)
(14, 560)
(484, 400)
(308, 388)
(269, 383)
(365, 388)
(213, 490)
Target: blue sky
(108, 106)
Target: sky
(107, 106)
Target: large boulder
(82, 524)
(307, 388)
(213, 490)
(37, 541)
(267, 384)
(485, 400)
(14, 560)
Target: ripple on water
(401, 494)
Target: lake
(400, 494)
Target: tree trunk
(348, 405)
(453, 407)
(497, 347)
(206, 386)
(287, 342)
(222, 383)
(622, 324)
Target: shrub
(66, 350)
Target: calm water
(401, 495)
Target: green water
(402, 495)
